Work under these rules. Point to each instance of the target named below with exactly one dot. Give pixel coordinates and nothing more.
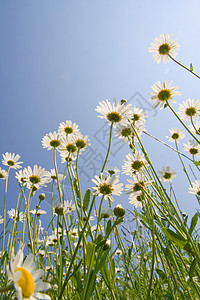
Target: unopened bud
(42, 196)
(59, 210)
(119, 211)
(107, 245)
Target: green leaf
(88, 256)
(192, 267)
(191, 67)
(174, 237)
(108, 228)
(106, 275)
(161, 274)
(193, 223)
(86, 199)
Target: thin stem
(177, 62)
(108, 152)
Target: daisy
(25, 278)
(36, 177)
(166, 174)
(163, 47)
(21, 177)
(68, 207)
(51, 140)
(195, 188)
(163, 92)
(107, 186)
(11, 160)
(138, 184)
(106, 212)
(38, 212)
(3, 174)
(18, 216)
(192, 147)
(112, 171)
(134, 163)
(116, 113)
(136, 199)
(52, 175)
(118, 252)
(68, 146)
(68, 128)
(189, 109)
(81, 142)
(138, 115)
(67, 157)
(119, 211)
(1, 220)
(124, 132)
(175, 135)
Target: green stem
(177, 62)
(108, 152)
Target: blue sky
(60, 58)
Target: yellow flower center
(26, 282)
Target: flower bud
(42, 196)
(59, 210)
(119, 211)
(107, 245)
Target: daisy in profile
(175, 135)
(138, 184)
(134, 164)
(18, 216)
(21, 177)
(52, 175)
(51, 140)
(69, 207)
(38, 212)
(163, 47)
(163, 92)
(107, 186)
(189, 109)
(166, 174)
(3, 174)
(192, 147)
(136, 199)
(11, 160)
(25, 278)
(68, 128)
(116, 113)
(195, 188)
(106, 212)
(112, 171)
(138, 115)
(36, 177)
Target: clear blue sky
(58, 59)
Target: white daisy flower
(175, 135)
(118, 252)
(67, 157)
(69, 207)
(138, 115)
(1, 220)
(163, 47)
(107, 186)
(26, 279)
(81, 142)
(106, 212)
(138, 184)
(36, 177)
(21, 177)
(189, 109)
(118, 270)
(112, 171)
(166, 174)
(38, 212)
(134, 163)
(3, 174)
(192, 147)
(16, 214)
(124, 132)
(52, 175)
(74, 232)
(68, 128)
(163, 92)
(51, 140)
(68, 146)
(136, 199)
(195, 188)
(60, 231)
(11, 160)
(116, 113)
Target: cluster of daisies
(164, 49)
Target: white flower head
(163, 47)
(134, 164)
(116, 113)
(163, 92)
(38, 212)
(26, 279)
(112, 171)
(3, 174)
(36, 177)
(192, 147)
(1, 220)
(21, 176)
(68, 207)
(68, 128)
(189, 109)
(52, 175)
(138, 184)
(107, 186)
(81, 142)
(175, 135)
(11, 160)
(136, 199)
(68, 146)
(51, 140)
(16, 215)
(166, 174)
(138, 115)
